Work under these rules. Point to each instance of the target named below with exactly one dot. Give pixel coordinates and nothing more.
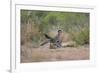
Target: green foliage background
(35, 23)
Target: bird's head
(59, 32)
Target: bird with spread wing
(54, 42)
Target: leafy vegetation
(35, 23)
(81, 37)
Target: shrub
(81, 37)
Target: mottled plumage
(56, 42)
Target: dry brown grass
(61, 54)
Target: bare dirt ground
(44, 54)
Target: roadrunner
(54, 42)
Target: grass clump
(81, 37)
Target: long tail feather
(44, 43)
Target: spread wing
(51, 40)
(47, 41)
(48, 37)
